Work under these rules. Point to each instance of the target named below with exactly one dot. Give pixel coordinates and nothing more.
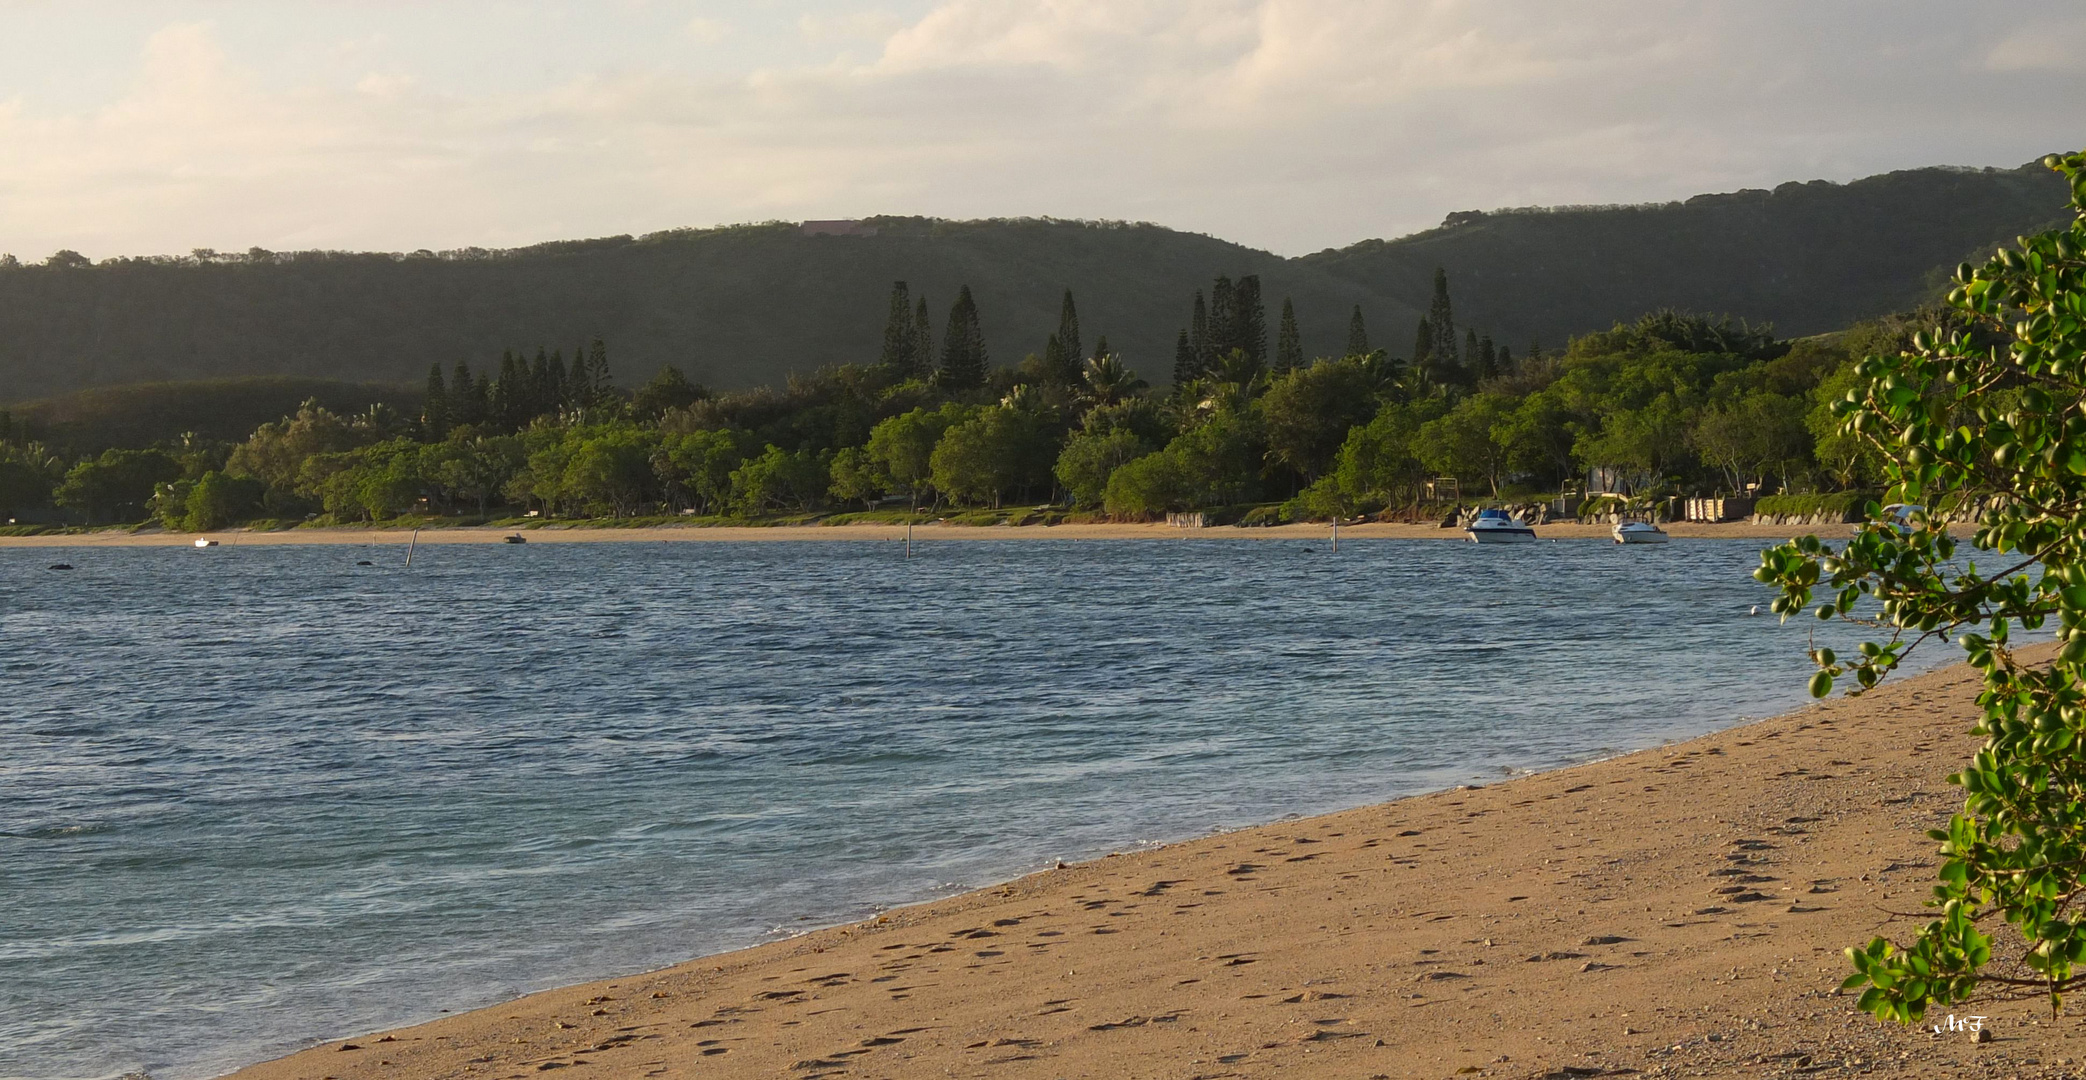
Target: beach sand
(553, 534)
(1678, 911)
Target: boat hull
(1647, 536)
(1522, 535)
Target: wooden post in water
(410, 545)
(1336, 536)
(908, 538)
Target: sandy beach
(552, 534)
(1678, 911)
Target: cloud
(1289, 124)
(2046, 47)
(708, 31)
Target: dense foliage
(1669, 404)
(741, 306)
(1987, 411)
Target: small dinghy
(517, 538)
(206, 543)
(1638, 532)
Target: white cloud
(1290, 124)
(708, 31)
(2047, 47)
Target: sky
(135, 128)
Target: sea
(253, 797)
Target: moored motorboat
(1638, 532)
(1498, 527)
(516, 538)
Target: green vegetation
(1669, 404)
(1984, 409)
(1836, 506)
(744, 306)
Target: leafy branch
(1986, 411)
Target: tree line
(1671, 403)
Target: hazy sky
(152, 127)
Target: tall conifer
(1357, 334)
(923, 340)
(1488, 358)
(1199, 334)
(434, 413)
(1186, 369)
(963, 345)
(464, 400)
(1100, 350)
(1470, 357)
(1223, 322)
(554, 383)
(898, 357)
(1250, 321)
(1289, 343)
(597, 371)
(1441, 316)
(1068, 337)
(1505, 362)
(1423, 349)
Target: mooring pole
(908, 538)
(410, 545)
(1336, 536)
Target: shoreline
(929, 533)
(1675, 909)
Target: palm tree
(1108, 380)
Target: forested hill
(745, 305)
(1808, 257)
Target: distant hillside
(1808, 257)
(745, 305)
(85, 421)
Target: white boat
(1638, 532)
(1496, 527)
(206, 543)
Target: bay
(252, 797)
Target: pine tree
(1506, 361)
(1186, 368)
(1289, 344)
(554, 383)
(963, 345)
(466, 400)
(898, 358)
(1442, 317)
(1470, 357)
(434, 413)
(1488, 359)
(504, 390)
(1250, 321)
(1068, 338)
(579, 383)
(1100, 350)
(923, 341)
(597, 371)
(1055, 362)
(1357, 334)
(1199, 334)
(1221, 327)
(535, 404)
(1423, 349)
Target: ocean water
(253, 797)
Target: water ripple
(257, 796)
